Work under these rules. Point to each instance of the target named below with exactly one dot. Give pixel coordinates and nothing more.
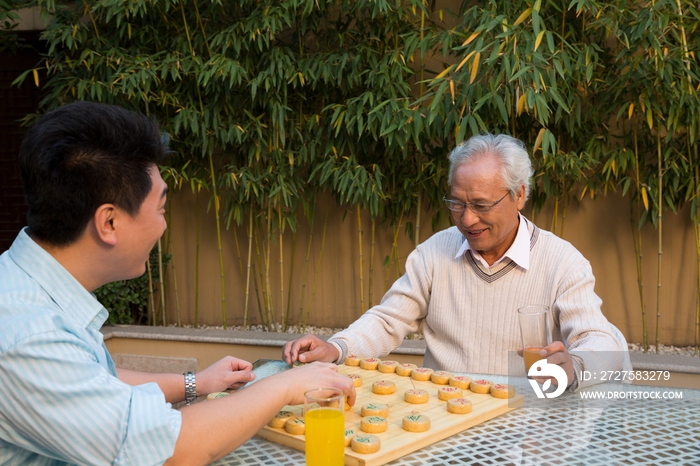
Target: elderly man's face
(480, 181)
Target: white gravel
(664, 349)
(328, 331)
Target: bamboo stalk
(389, 261)
(263, 308)
(306, 271)
(686, 54)
(281, 261)
(177, 297)
(271, 317)
(238, 251)
(257, 296)
(289, 288)
(563, 27)
(397, 266)
(555, 215)
(696, 229)
(362, 265)
(202, 28)
(169, 248)
(151, 300)
(417, 229)
(370, 284)
(161, 281)
(637, 236)
(218, 241)
(563, 216)
(196, 259)
(421, 85)
(660, 219)
(255, 274)
(318, 265)
(247, 275)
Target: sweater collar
(519, 251)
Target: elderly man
(466, 283)
(96, 207)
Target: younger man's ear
(104, 223)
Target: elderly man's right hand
(307, 349)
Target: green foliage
(127, 300)
(363, 99)
(8, 18)
(296, 96)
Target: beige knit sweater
(469, 313)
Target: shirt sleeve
(589, 337)
(383, 327)
(59, 402)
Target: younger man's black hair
(83, 155)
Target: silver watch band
(190, 388)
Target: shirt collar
(519, 251)
(73, 299)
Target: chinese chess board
(397, 442)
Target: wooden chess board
(397, 442)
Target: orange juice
(325, 435)
(531, 356)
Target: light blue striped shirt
(61, 401)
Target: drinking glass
(535, 332)
(324, 419)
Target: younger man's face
(141, 232)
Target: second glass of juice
(535, 332)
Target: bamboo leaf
(630, 111)
(645, 199)
(471, 38)
(475, 67)
(538, 141)
(521, 104)
(583, 192)
(502, 108)
(465, 59)
(444, 72)
(523, 16)
(539, 39)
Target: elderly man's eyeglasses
(476, 207)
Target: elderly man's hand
(307, 349)
(556, 353)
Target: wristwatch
(190, 388)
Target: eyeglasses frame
(469, 205)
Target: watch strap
(190, 388)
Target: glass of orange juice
(324, 419)
(535, 332)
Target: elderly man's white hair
(516, 168)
